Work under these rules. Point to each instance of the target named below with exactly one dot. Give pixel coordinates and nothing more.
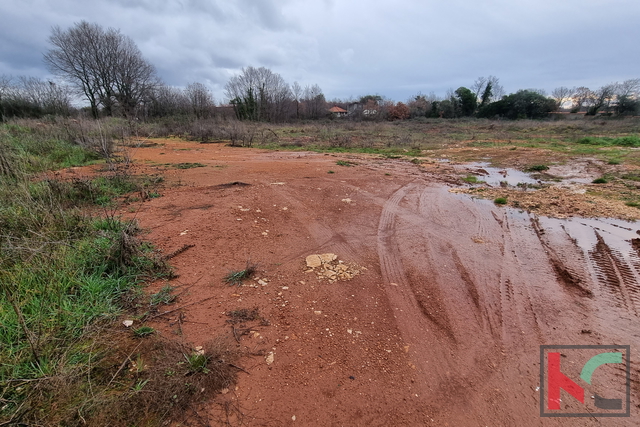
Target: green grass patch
(143, 331)
(631, 177)
(623, 141)
(345, 163)
(471, 179)
(188, 165)
(63, 274)
(163, 296)
(500, 200)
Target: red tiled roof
(337, 109)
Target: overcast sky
(351, 47)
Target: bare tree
(6, 88)
(629, 87)
(49, 97)
(314, 101)
(581, 98)
(200, 99)
(104, 66)
(627, 96)
(563, 95)
(487, 89)
(296, 91)
(168, 101)
(259, 94)
(478, 86)
(601, 99)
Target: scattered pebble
(329, 267)
(269, 358)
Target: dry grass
(132, 381)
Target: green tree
(466, 102)
(524, 104)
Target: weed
(614, 161)
(243, 315)
(143, 331)
(471, 179)
(189, 165)
(537, 168)
(139, 386)
(197, 362)
(631, 177)
(500, 201)
(600, 181)
(163, 296)
(345, 163)
(236, 277)
(330, 171)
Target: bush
(624, 141)
(500, 201)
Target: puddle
(579, 172)
(616, 233)
(494, 176)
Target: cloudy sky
(351, 47)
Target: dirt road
(442, 326)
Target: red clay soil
(442, 327)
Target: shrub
(537, 168)
(500, 201)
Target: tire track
(571, 279)
(325, 237)
(616, 276)
(416, 314)
(518, 311)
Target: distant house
(338, 112)
(371, 108)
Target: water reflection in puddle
(494, 176)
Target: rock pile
(328, 266)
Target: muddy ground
(443, 324)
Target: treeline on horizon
(106, 70)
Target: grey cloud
(352, 47)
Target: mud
(442, 326)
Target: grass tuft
(143, 331)
(236, 277)
(163, 296)
(345, 163)
(537, 168)
(500, 201)
(472, 179)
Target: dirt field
(441, 326)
